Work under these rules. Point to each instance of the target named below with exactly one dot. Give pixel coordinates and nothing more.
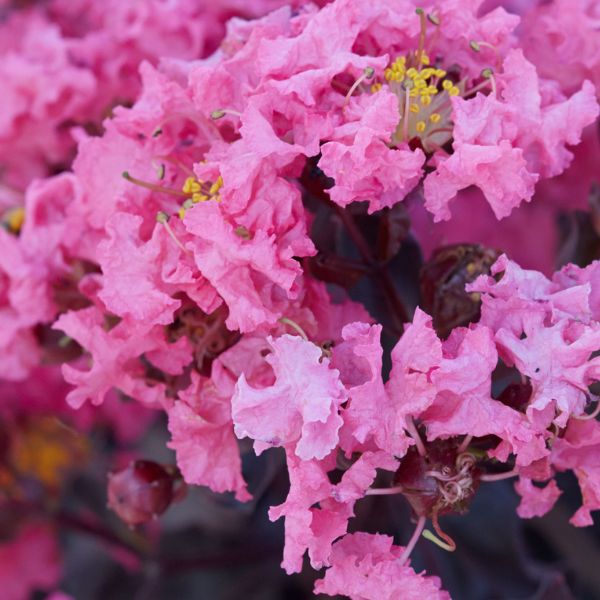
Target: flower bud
(443, 281)
(142, 491)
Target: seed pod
(443, 279)
(142, 491)
(442, 482)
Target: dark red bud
(141, 491)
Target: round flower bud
(141, 491)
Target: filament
(294, 326)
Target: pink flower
(500, 171)
(42, 87)
(503, 143)
(141, 278)
(548, 330)
(463, 404)
(252, 275)
(312, 528)
(557, 361)
(536, 501)
(202, 437)
(29, 562)
(300, 409)
(415, 357)
(116, 357)
(368, 567)
(360, 160)
(579, 450)
(561, 39)
(370, 422)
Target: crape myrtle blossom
(168, 268)
(561, 39)
(370, 567)
(549, 330)
(30, 561)
(424, 105)
(68, 63)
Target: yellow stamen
(435, 117)
(414, 108)
(191, 186)
(376, 87)
(425, 100)
(216, 186)
(447, 84)
(453, 91)
(420, 126)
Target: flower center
(423, 99)
(424, 91)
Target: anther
(489, 74)
(433, 19)
(163, 219)
(428, 535)
(242, 232)
(478, 45)
(189, 203)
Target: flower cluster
(181, 256)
